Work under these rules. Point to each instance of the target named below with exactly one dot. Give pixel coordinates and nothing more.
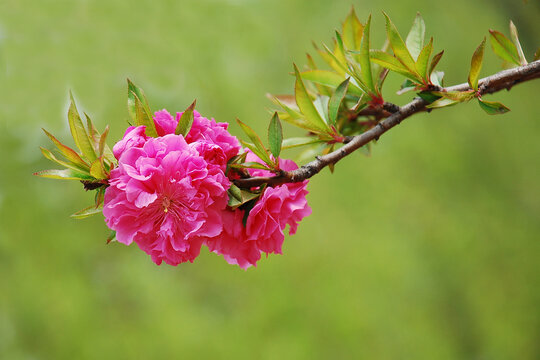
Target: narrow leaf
(186, 121)
(492, 107)
(97, 170)
(102, 142)
(515, 40)
(50, 156)
(86, 212)
(250, 165)
(261, 151)
(303, 100)
(68, 153)
(442, 102)
(275, 135)
(364, 59)
(66, 174)
(299, 141)
(391, 63)
(336, 99)
(423, 59)
(144, 117)
(352, 31)
(136, 92)
(331, 79)
(434, 62)
(415, 39)
(398, 46)
(460, 96)
(503, 47)
(80, 136)
(476, 65)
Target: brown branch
(505, 79)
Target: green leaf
(238, 197)
(503, 47)
(429, 96)
(303, 100)
(275, 135)
(86, 212)
(186, 121)
(391, 63)
(66, 174)
(97, 170)
(352, 31)
(460, 96)
(250, 165)
(476, 65)
(136, 92)
(68, 153)
(50, 156)
(257, 147)
(407, 86)
(442, 102)
(102, 142)
(111, 237)
(144, 117)
(336, 99)
(364, 59)
(399, 47)
(299, 141)
(331, 79)
(434, 62)
(80, 136)
(492, 107)
(436, 78)
(423, 59)
(415, 39)
(515, 40)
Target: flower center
(166, 203)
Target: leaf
(476, 65)
(515, 40)
(244, 197)
(436, 78)
(257, 147)
(250, 165)
(352, 31)
(460, 96)
(97, 170)
(423, 59)
(407, 86)
(111, 237)
(68, 153)
(336, 99)
(136, 92)
(86, 212)
(503, 47)
(275, 136)
(429, 96)
(144, 117)
(415, 39)
(80, 136)
(442, 102)
(66, 174)
(329, 78)
(305, 105)
(102, 142)
(364, 59)
(299, 141)
(50, 156)
(434, 62)
(186, 120)
(399, 47)
(492, 107)
(391, 63)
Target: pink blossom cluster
(168, 194)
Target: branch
(505, 79)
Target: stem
(505, 79)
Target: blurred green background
(428, 249)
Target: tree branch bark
(505, 79)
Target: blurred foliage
(427, 249)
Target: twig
(505, 79)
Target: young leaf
(503, 47)
(352, 31)
(97, 170)
(250, 165)
(186, 121)
(299, 141)
(144, 117)
(399, 47)
(136, 92)
(68, 153)
(331, 79)
(476, 65)
(364, 59)
(86, 212)
(434, 62)
(303, 100)
(336, 99)
(415, 39)
(492, 107)
(423, 59)
(515, 40)
(80, 136)
(102, 143)
(460, 96)
(275, 136)
(66, 174)
(50, 156)
(442, 102)
(391, 63)
(257, 147)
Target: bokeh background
(428, 249)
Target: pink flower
(277, 207)
(202, 129)
(166, 197)
(133, 137)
